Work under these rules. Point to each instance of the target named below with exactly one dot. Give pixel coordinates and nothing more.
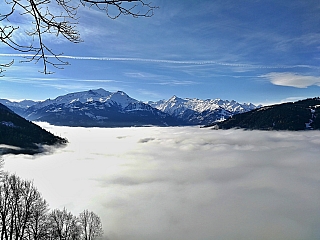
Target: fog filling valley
(183, 183)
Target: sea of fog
(183, 183)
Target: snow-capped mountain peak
(85, 96)
(193, 109)
(121, 99)
(98, 95)
(99, 107)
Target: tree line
(25, 215)
(29, 137)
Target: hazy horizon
(183, 182)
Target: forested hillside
(25, 136)
(300, 115)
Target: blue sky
(260, 51)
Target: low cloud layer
(184, 183)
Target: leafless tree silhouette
(63, 225)
(20, 201)
(91, 225)
(2, 66)
(25, 215)
(57, 17)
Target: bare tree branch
(45, 21)
(134, 10)
(5, 66)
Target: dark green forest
(294, 116)
(29, 137)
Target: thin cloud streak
(175, 83)
(48, 80)
(200, 62)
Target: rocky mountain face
(101, 108)
(18, 135)
(300, 115)
(199, 112)
(98, 108)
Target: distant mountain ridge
(293, 116)
(197, 111)
(18, 107)
(101, 108)
(98, 108)
(98, 95)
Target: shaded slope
(99, 108)
(25, 136)
(295, 116)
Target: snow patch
(8, 124)
(177, 106)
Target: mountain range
(101, 108)
(199, 112)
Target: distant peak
(174, 98)
(92, 92)
(99, 91)
(121, 93)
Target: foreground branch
(5, 66)
(45, 21)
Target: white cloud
(292, 79)
(184, 183)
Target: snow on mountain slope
(98, 108)
(18, 106)
(120, 98)
(197, 111)
(177, 106)
(99, 95)
(86, 96)
(22, 104)
(115, 107)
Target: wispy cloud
(292, 79)
(96, 80)
(182, 62)
(54, 79)
(293, 99)
(176, 83)
(66, 84)
(147, 94)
